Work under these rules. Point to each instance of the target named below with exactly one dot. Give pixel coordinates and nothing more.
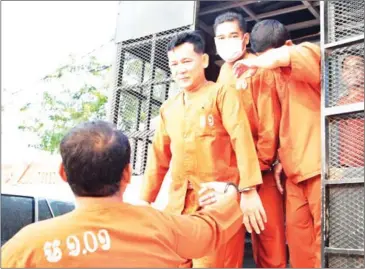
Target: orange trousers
(303, 222)
(269, 247)
(229, 255)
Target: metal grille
(346, 146)
(345, 261)
(143, 82)
(346, 216)
(137, 155)
(345, 19)
(342, 120)
(344, 75)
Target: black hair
(231, 16)
(94, 155)
(268, 34)
(192, 37)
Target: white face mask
(229, 49)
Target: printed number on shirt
(210, 120)
(52, 251)
(204, 120)
(89, 243)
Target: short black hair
(192, 37)
(95, 155)
(231, 16)
(268, 34)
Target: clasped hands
(254, 215)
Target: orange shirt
(351, 133)
(208, 139)
(262, 108)
(300, 130)
(114, 234)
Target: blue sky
(37, 37)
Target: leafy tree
(78, 93)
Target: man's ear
(62, 173)
(246, 39)
(127, 174)
(289, 43)
(205, 60)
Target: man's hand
(241, 83)
(278, 169)
(242, 66)
(254, 214)
(213, 192)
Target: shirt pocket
(206, 123)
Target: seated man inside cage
(105, 232)
(352, 67)
(351, 126)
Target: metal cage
(342, 44)
(142, 84)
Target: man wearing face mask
(262, 106)
(204, 134)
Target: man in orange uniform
(352, 150)
(103, 231)
(263, 110)
(205, 134)
(300, 146)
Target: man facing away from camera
(299, 134)
(204, 132)
(105, 232)
(259, 95)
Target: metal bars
(342, 120)
(142, 83)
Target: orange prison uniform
(351, 133)
(300, 153)
(106, 234)
(263, 111)
(207, 139)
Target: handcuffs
(249, 188)
(275, 163)
(237, 189)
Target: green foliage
(63, 109)
(71, 105)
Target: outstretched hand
(212, 192)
